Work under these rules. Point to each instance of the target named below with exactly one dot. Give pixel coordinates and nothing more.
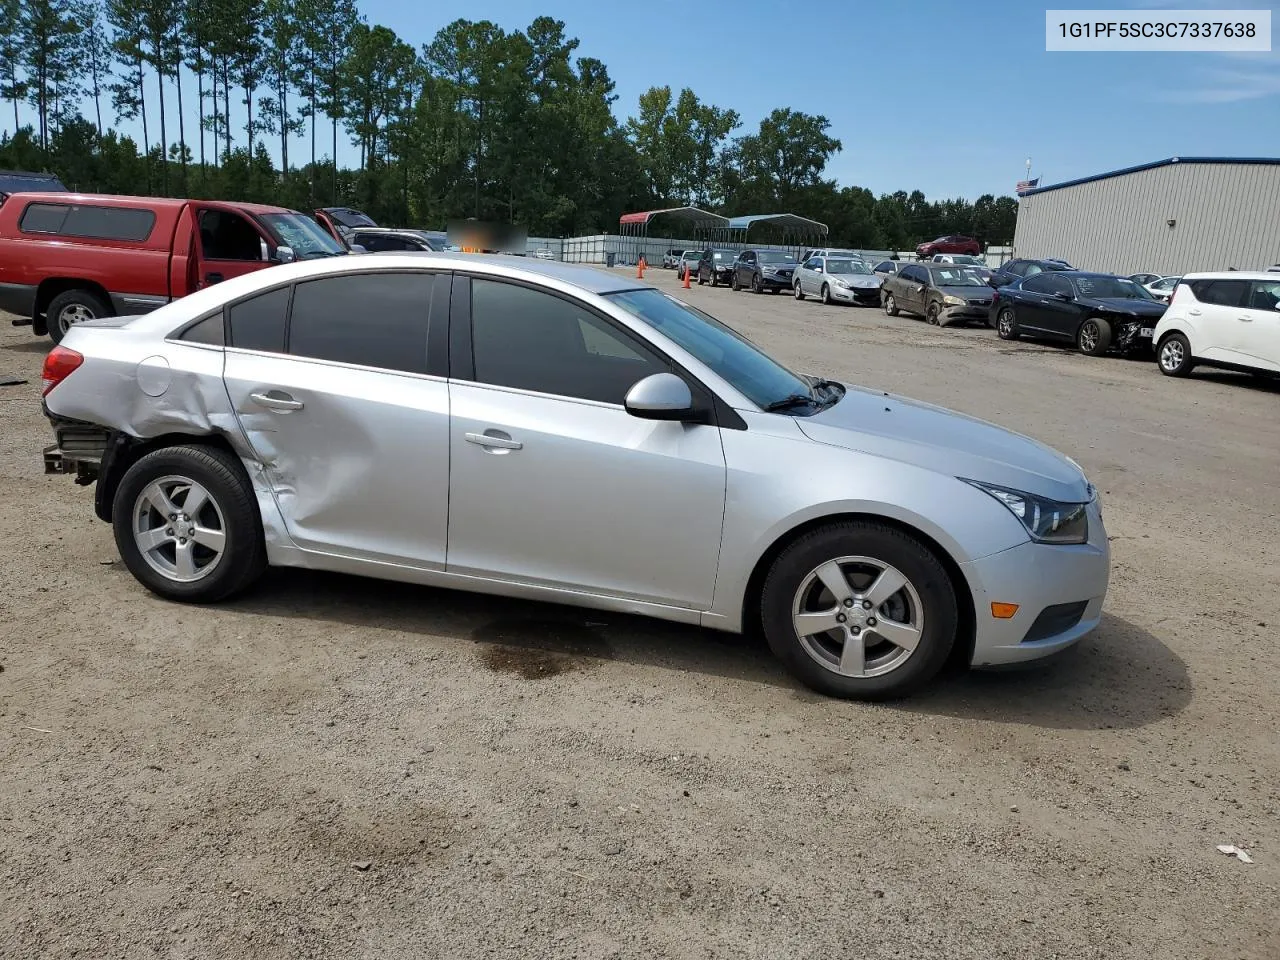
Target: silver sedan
(548, 431)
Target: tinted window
(258, 324)
(372, 319)
(532, 340)
(209, 330)
(1223, 293)
(1031, 269)
(228, 236)
(98, 223)
(884, 266)
(381, 243)
(1264, 294)
(914, 274)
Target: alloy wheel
(858, 617)
(1004, 323)
(1172, 355)
(179, 529)
(1089, 335)
(72, 314)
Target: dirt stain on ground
(538, 649)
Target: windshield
(774, 256)
(731, 356)
(692, 255)
(847, 266)
(1112, 288)
(957, 277)
(303, 235)
(1166, 284)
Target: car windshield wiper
(793, 400)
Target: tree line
(480, 122)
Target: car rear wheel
(72, 307)
(1007, 324)
(186, 524)
(1094, 337)
(890, 305)
(1174, 356)
(860, 610)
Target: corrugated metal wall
(1227, 215)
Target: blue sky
(940, 96)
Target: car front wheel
(186, 524)
(1174, 356)
(860, 610)
(1094, 338)
(798, 291)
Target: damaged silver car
(555, 432)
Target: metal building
(1173, 216)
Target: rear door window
(373, 320)
(259, 322)
(1222, 293)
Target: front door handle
(1245, 319)
(493, 440)
(282, 402)
(213, 278)
(1194, 313)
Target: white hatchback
(1229, 320)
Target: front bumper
(776, 282)
(1132, 335)
(866, 296)
(966, 312)
(1059, 590)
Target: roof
(696, 214)
(584, 277)
(785, 220)
(1268, 275)
(15, 181)
(1243, 161)
(160, 203)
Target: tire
(756, 286)
(798, 291)
(712, 279)
(923, 611)
(212, 574)
(890, 305)
(933, 313)
(701, 282)
(1094, 337)
(1173, 356)
(1007, 324)
(70, 308)
(826, 295)
(733, 283)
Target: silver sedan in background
(535, 429)
(837, 280)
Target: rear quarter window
(88, 221)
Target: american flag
(1025, 185)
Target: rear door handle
(282, 402)
(1245, 319)
(213, 278)
(494, 440)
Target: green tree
(51, 38)
(96, 47)
(196, 38)
(284, 70)
(11, 60)
(378, 72)
(788, 153)
(326, 29)
(128, 92)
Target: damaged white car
(541, 430)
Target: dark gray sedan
(942, 293)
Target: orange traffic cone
(640, 269)
(686, 276)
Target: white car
(1162, 289)
(1229, 320)
(543, 253)
(960, 259)
(837, 279)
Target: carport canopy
(695, 215)
(789, 224)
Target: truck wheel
(72, 307)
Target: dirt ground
(334, 767)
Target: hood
(858, 281)
(1134, 308)
(968, 293)
(946, 442)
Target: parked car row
(1227, 320)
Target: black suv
(716, 266)
(1017, 269)
(763, 270)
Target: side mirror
(357, 248)
(660, 396)
(817, 269)
(284, 254)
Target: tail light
(58, 365)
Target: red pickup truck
(67, 257)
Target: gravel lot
(336, 767)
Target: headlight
(842, 285)
(1048, 521)
(953, 301)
